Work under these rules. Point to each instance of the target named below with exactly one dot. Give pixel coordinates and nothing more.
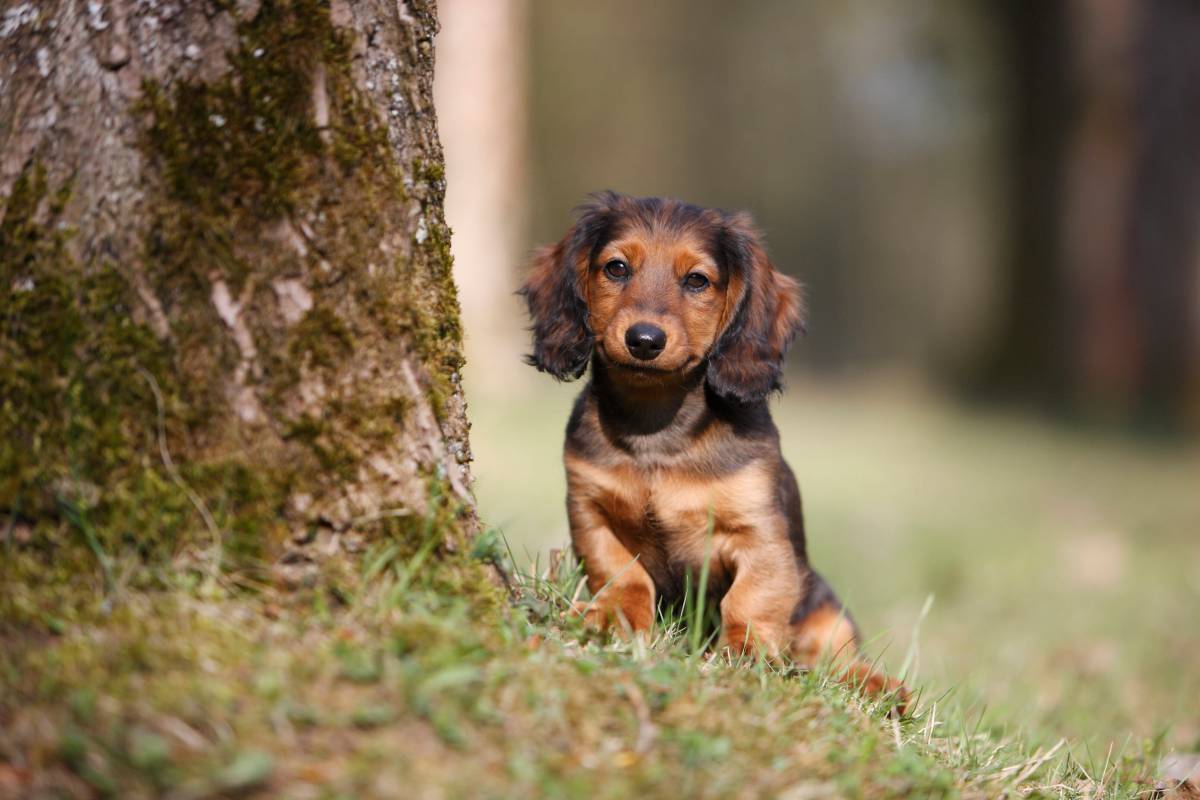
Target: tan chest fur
(666, 512)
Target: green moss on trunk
(252, 188)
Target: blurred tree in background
(1103, 302)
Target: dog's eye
(616, 269)
(695, 281)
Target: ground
(394, 686)
(1057, 561)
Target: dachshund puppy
(671, 454)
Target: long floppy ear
(764, 313)
(554, 292)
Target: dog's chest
(671, 518)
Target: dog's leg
(756, 609)
(622, 590)
(826, 632)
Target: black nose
(645, 341)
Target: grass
(398, 675)
(394, 687)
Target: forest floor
(401, 675)
(393, 687)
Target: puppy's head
(656, 289)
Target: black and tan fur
(664, 446)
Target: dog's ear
(555, 291)
(764, 312)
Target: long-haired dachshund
(671, 454)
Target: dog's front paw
(742, 640)
(595, 615)
(620, 612)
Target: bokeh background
(995, 208)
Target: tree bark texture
(226, 308)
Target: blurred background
(994, 206)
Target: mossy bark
(227, 320)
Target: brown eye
(695, 281)
(616, 269)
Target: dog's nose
(645, 341)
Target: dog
(671, 455)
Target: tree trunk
(1103, 302)
(227, 315)
(1028, 353)
(1164, 236)
(480, 94)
